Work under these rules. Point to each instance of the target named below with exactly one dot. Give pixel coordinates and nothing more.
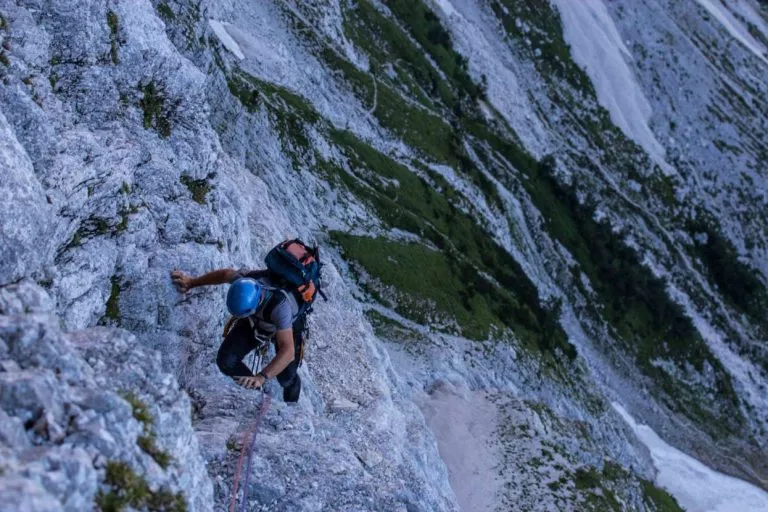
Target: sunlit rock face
(528, 212)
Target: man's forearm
(285, 354)
(220, 276)
(278, 364)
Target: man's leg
(289, 378)
(235, 347)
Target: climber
(267, 303)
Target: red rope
(265, 402)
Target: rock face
(507, 250)
(89, 417)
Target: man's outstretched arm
(184, 282)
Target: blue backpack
(295, 267)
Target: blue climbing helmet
(243, 297)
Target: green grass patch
(290, 113)
(737, 282)
(430, 281)
(140, 409)
(425, 27)
(586, 478)
(383, 40)
(539, 28)
(124, 489)
(198, 188)
(112, 311)
(113, 21)
(659, 499)
(636, 303)
(417, 127)
(147, 441)
(392, 330)
(165, 11)
(158, 108)
(406, 201)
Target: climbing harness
(262, 347)
(249, 440)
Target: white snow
(597, 47)
(735, 27)
(464, 427)
(220, 29)
(696, 487)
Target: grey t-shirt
(282, 315)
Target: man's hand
(182, 280)
(254, 382)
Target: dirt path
(464, 426)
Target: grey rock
(12, 431)
(24, 494)
(25, 215)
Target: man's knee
(291, 392)
(290, 382)
(226, 361)
(287, 376)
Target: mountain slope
(522, 222)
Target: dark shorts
(240, 341)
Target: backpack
(295, 267)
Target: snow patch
(220, 29)
(597, 47)
(696, 487)
(725, 16)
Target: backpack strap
(277, 297)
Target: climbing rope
(249, 440)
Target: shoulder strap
(278, 296)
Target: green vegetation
(539, 24)
(383, 41)
(4, 59)
(430, 282)
(736, 281)
(114, 26)
(53, 79)
(140, 409)
(113, 302)
(660, 499)
(600, 495)
(636, 303)
(147, 441)
(148, 444)
(417, 126)
(127, 489)
(3, 23)
(586, 478)
(125, 213)
(290, 112)
(414, 121)
(390, 329)
(408, 202)
(198, 188)
(165, 11)
(158, 109)
(425, 27)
